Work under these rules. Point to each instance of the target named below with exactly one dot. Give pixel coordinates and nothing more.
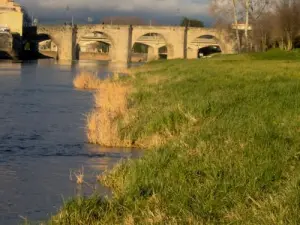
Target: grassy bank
(224, 137)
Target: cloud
(190, 7)
(155, 8)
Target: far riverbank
(136, 57)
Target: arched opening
(163, 52)
(44, 45)
(139, 52)
(151, 46)
(208, 51)
(96, 50)
(204, 46)
(95, 46)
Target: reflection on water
(42, 139)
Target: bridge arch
(101, 38)
(119, 37)
(204, 45)
(202, 38)
(139, 52)
(48, 45)
(63, 36)
(155, 41)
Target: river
(42, 139)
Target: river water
(42, 140)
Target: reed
(86, 80)
(103, 122)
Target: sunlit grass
(227, 134)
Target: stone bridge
(181, 42)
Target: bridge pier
(192, 53)
(64, 37)
(177, 43)
(67, 45)
(121, 46)
(153, 53)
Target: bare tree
(254, 9)
(227, 10)
(287, 23)
(248, 11)
(262, 30)
(235, 12)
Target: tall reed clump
(103, 121)
(86, 80)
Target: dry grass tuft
(102, 128)
(79, 176)
(102, 123)
(112, 97)
(87, 80)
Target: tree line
(265, 23)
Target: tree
(26, 18)
(273, 22)
(245, 12)
(186, 22)
(247, 7)
(253, 9)
(262, 29)
(228, 10)
(234, 12)
(287, 24)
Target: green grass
(273, 54)
(277, 54)
(231, 127)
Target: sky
(161, 11)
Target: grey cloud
(160, 9)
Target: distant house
(11, 16)
(241, 26)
